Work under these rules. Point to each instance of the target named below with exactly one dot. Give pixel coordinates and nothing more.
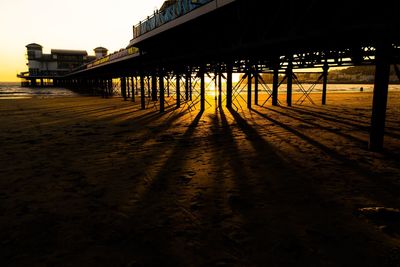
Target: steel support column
(324, 83)
(256, 89)
(216, 86)
(154, 87)
(220, 89)
(379, 105)
(134, 85)
(188, 77)
(190, 88)
(110, 87)
(103, 88)
(289, 84)
(202, 89)
(249, 86)
(137, 82)
(123, 88)
(178, 90)
(168, 85)
(162, 93)
(142, 91)
(149, 87)
(275, 85)
(229, 86)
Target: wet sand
(87, 181)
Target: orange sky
(72, 24)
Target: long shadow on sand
(354, 139)
(275, 208)
(157, 212)
(375, 178)
(357, 124)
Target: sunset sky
(73, 24)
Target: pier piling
(275, 84)
(142, 91)
(324, 83)
(202, 89)
(154, 87)
(381, 86)
(123, 88)
(229, 85)
(178, 90)
(249, 86)
(289, 83)
(162, 93)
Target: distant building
(100, 52)
(46, 68)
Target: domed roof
(34, 45)
(100, 49)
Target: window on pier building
(31, 55)
(69, 65)
(70, 58)
(33, 72)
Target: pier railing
(160, 17)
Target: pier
(186, 41)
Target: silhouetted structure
(189, 39)
(47, 67)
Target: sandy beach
(87, 181)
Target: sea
(15, 91)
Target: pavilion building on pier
(44, 69)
